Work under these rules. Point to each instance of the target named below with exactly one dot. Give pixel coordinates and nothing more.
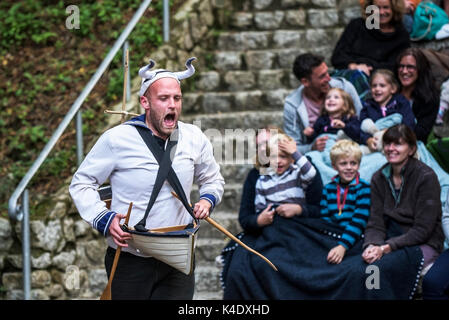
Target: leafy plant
(44, 66)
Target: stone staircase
(244, 89)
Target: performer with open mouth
(122, 155)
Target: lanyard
(340, 206)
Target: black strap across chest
(164, 158)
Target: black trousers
(138, 278)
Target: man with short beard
(303, 106)
(122, 156)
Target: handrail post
(128, 76)
(166, 19)
(26, 256)
(79, 137)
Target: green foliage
(34, 95)
(22, 22)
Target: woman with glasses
(417, 85)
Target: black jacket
(370, 46)
(247, 212)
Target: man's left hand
(201, 209)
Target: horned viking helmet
(149, 76)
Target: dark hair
(397, 8)
(305, 63)
(425, 88)
(395, 133)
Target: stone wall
(66, 254)
(245, 50)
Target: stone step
(207, 249)
(206, 295)
(207, 278)
(253, 59)
(235, 174)
(254, 100)
(242, 120)
(278, 39)
(269, 14)
(269, 20)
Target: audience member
(303, 106)
(338, 116)
(248, 215)
(417, 85)
(288, 176)
(405, 193)
(410, 7)
(367, 48)
(436, 281)
(384, 109)
(346, 200)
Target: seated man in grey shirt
(303, 106)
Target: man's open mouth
(170, 119)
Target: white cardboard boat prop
(174, 245)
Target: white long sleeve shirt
(121, 155)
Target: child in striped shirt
(284, 182)
(346, 199)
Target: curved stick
(230, 235)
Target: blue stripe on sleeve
(103, 221)
(209, 197)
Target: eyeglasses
(407, 66)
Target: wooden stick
(230, 235)
(126, 113)
(106, 295)
(123, 112)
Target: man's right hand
(118, 235)
(320, 143)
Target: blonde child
(285, 180)
(338, 117)
(384, 109)
(346, 199)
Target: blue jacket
(356, 210)
(323, 125)
(397, 104)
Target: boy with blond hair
(284, 182)
(346, 199)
